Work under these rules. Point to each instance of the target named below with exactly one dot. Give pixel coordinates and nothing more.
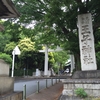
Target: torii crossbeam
(46, 57)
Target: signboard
(16, 51)
(86, 40)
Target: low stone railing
(91, 86)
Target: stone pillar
(86, 40)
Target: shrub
(6, 58)
(81, 93)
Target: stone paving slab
(50, 93)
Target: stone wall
(91, 86)
(4, 68)
(12, 96)
(86, 74)
(6, 82)
(6, 85)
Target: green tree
(29, 57)
(4, 39)
(13, 30)
(26, 45)
(58, 59)
(61, 16)
(10, 47)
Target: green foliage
(58, 59)
(13, 30)
(56, 68)
(6, 58)
(81, 93)
(26, 45)
(4, 39)
(56, 20)
(61, 56)
(98, 59)
(9, 47)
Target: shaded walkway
(51, 93)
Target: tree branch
(95, 27)
(78, 1)
(87, 1)
(65, 30)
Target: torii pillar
(46, 60)
(46, 57)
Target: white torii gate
(46, 57)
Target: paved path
(51, 93)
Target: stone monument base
(86, 74)
(87, 80)
(91, 86)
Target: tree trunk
(77, 62)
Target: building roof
(7, 9)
